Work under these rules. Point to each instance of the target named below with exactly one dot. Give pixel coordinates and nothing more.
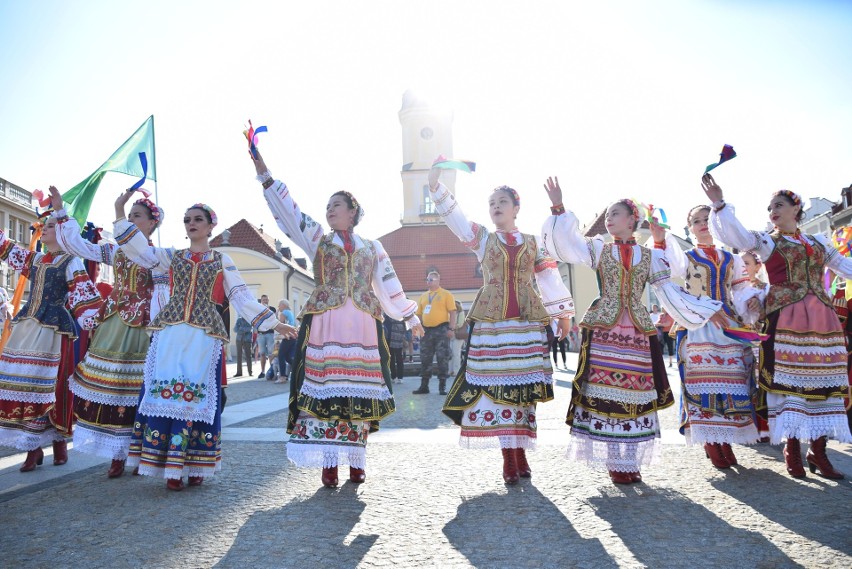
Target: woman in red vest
(803, 376)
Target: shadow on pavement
(266, 539)
(521, 529)
(664, 528)
(818, 514)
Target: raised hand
(657, 231)
(120, 202)
(554, 192)
(711, 188)
(55, 198)
(259, 164)
(434, 177)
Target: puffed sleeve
(299, 227)
(689, 311)
(242, 300)
(389, 291)
(725, 227)
(563, 241)
(18, 258)
(834, 260)
(555, 295)
(83, 297)
(471, 234)
(135, 245)
(678, 261)
(72, 242)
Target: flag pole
(156, 193)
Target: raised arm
(245, 304)
(18, 258)
(664, 241)
(561, 235)
(83, 298)
(725, 227)
(137, 248)
(389, 291)
(555, 295)
(689, 311)
(471, 234)
(834, 260)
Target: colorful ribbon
(745, 335)
(251, 136)
(137, 187)
(43, 200)
(647, 212)
(728, 153)
(452, 164)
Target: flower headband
(792, 196)
(359, 211)
(633, 209)
(213, 219)
(156, 211)
(694, 210)
(511, 192)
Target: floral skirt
(620, 384)
(166, 444)
(803, 373)
(717, 387)
(340, 387)
(505, 372)
(35, 403)
(106, 388)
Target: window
(21, 226)
(428, 205)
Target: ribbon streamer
(745, 335)
(251, 136)
(43, 200)
(728, 153)
(137, 187)
(453, 164)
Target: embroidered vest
(131, 295)
(339, 276)
(704, 277)
(793, 273)
(620, 290)
(492, 299)
(191, 301)
(48, 295)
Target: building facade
(16, 216)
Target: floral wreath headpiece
(214, 220)
(511, 192)
(793, 196)
(633, 208)
(695, 209)
(359, 211)
(156, 211)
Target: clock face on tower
(426, 133)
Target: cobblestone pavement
(426, 503)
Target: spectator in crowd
(287, 348)
(436, 309)
(395, 331)
(265, 341)
(243, 332)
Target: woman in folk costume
(803, 375)
(178, 422)
(106, 383)
(507, 369)
(341, 383)
(621, 379)
(757, 288)
(717, 388)
(35, 403)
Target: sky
(616, 98)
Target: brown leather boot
(60, 452)
(524, 470)
(357, 475)
(818, 459)
(793, 457)
(728, 453)
(510, 469)
(175, 484)
(195, 480)
(116, 469)
(713, 451)
(34, 458)
(620, 477)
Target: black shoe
(262, 375)
(238, 374)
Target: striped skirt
(506, 371)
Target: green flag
(79, 199)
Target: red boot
(510, 469)
(620, 477)
(175, 484)
(34, 458)
(60, 452)
(116, 469)
(716, 456)
(728, 453)
(524, 470)
(329, 477)
(818, 459)
(357, 475)
(636, 476)
(196, 480)
(793, 457)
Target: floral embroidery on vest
(793, 273)
(707, 278)
(131, 295)
(620, 290)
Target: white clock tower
(426, 133)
